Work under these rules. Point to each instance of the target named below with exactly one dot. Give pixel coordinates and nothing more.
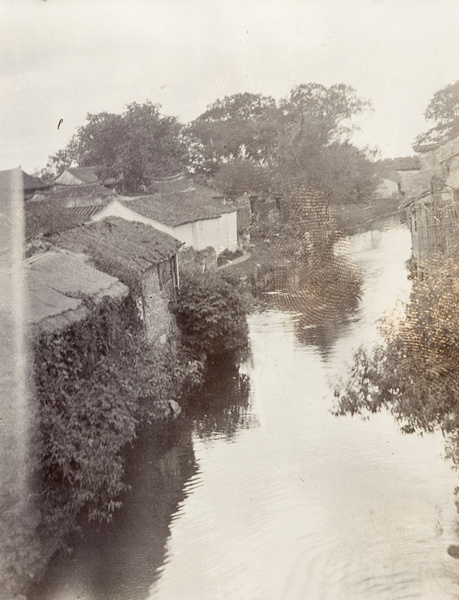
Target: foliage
(443, 111)
(211, 314)
(308, 223)
(248, 142)
(314, 142)
(238, 176)
(133, 147)
(314, 115)
(242, 126)
(227, 256)
(414, 373)
(93, 382)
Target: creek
(258, 492)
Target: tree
(136, 146)
(242, 126)
(316, 124)
(238, 176)
(443, 111)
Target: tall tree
(136, 146)
(443, 111)
(242, 126)
(316, 124)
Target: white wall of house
(219, 233)
(386, 188)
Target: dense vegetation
(443, 112)
(212, 315)
(242, 142)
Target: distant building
(195, 215)
(138, 255)
(77, 176)
(388, 187)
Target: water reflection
(119, 561)
(222, 407)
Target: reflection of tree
(323, 300)
(120, 560)
(414, 373)
(222, 406)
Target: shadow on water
(120, 560)
(123, 559)
(222, 407)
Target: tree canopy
(243, 142)
(135, 147)
(304, 137)
(443, 112)
(242, 126)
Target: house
(433, 212)
(405, 171)
(197, 216)
(140, 256)
(388, 187)
(77, 176)
(57, 283)
(63, 207)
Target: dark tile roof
(90, 194)
(86, 174)
(173, 209)
(121, 248)
(387, 166)
(406, 163)
(168, 185)
(50, 217)
(32, 183)
(9, 178)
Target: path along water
(259, 492)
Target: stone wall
(159, 322)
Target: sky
(62, 59)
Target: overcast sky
(61, 59)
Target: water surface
(259, 492)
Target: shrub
(211, 315)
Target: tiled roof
(181, 207)
(32, 183)
(57, 282)
(167, 185)
(48, 217)
(80, 195)
(121, 248)
(86, 174)
(401, 163)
